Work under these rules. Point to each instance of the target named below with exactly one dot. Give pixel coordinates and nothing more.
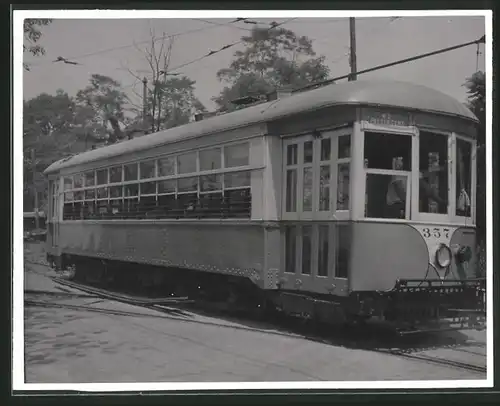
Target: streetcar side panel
(231, 249)
(382, 253)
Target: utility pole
(352, 53)
(144, 101)
(35, 192)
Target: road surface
(78, 346)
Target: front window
(387, 162)
(463, 177)
(433, 175)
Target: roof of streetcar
(395, 94)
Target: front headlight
(443, 256)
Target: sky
(115, 47)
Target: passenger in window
(429, 191)
(396, 193)
(463, 204)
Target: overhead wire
(103, 51)
(212, 52)
(394, 63)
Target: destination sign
(378, 117)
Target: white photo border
(18, 378)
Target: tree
(47, 123)
(179, 102)
(32, 35)
(476, 90)
(170, 97)
(101, 102)
(272, 58)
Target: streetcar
(345, 203)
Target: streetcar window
(115, 191)
(102, 209)
(324, 188)
(237, 155)
(116, 207)
(115, 174)
(463, 178)
(102, 176)
(78, 196)
(344, 145)
(343, 251)
(148, 169)
(166, 186)
(292, 152)
(77, 211)
(291, 190)
(166, 166)
(148, 188)
(186, 163)
(146, 207)
(210, 205)
(131, 190)
(78, 181)
(382, 150)
(68, 183)
(308, 152)
(90, 179)
(188, 203)
(88, 210)
(326, 149)
(323, 250)
(130, 172)
(187, 184)
(433, 167)
(219, 195)
(391, 203)
(102, 193)
(236, 179)
(68, 212)
(343, 184)
(130, 207)
(210, 159)
(210, 183)
(90, 194)
(307, 192)
(290, 248)
(168, 206)
(306, 249)
(237, 203)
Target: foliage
(272, 58)
(476, 90)
(176, 102)
(170, 96)
(103, 99)
(58, 125)
(32, 35)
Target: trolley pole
(35, 192)
(144, 101)
(352, 53)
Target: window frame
(434, 217)
(198, 174)
(473, 181)
(412, 132)
(316, 165)
(314, 281)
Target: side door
(316, 199)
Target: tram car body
(350, 201)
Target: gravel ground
(75, 346)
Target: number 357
(436, 232)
